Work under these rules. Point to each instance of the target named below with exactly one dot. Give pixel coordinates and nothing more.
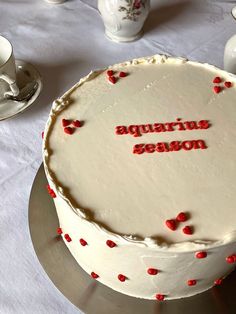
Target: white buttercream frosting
(109, 192)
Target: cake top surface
(159, 141)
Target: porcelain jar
(124, 19)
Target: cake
(141, 164)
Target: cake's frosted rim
(63, 101)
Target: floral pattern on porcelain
(123, 19)
(132, 9)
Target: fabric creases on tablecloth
(65, 42)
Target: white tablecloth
(65, 42)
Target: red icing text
(137, 130)
(173, 146)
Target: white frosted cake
(141, 163)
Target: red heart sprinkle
(53, 194)
(76, 123)
(83, 242)
(69, 130)
(171, 224)
(112, 79)
(217, 79)
(201, 254)
(121, 277)
(228, 84)
(42, 134)
(160, 297)
(152, 271)
(67, 237)
(218, 281)
(122, 74)
(110, 73)
(94, 275)
(59, 231)
(187, 230)
(65, 122)
(192, 282)
(217, 89)
(50, 191)
(230, 259)
(110, 243)
(181, 217)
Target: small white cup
(8, 85)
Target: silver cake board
(92, 297)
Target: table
(65, 42)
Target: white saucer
(89, 295)
(25, 73)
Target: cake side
(144, 270)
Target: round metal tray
(92, 297)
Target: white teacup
(8, 85)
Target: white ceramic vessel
(7, 70)
(230, 55)
(230, 51)
(124, 19)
